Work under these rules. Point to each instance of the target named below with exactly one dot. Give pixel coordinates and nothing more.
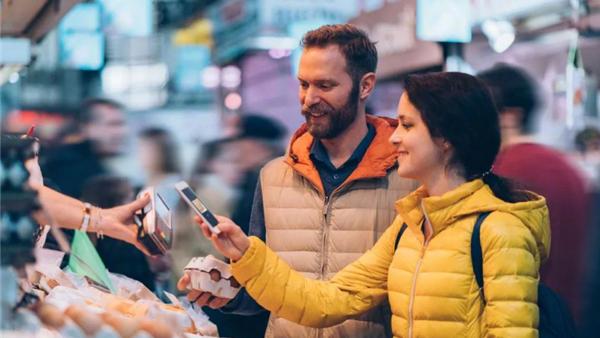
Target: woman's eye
(406, 126)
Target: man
(545, 171)
(100, 133)
(328, 200)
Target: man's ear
(367, 84)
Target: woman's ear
(446, 146)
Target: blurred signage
(80, 38)
(443, 20)
(506, 9)
(393, 28)
(191, 63)
(234, 22)
(131, 17)
(281, 13)
(240, 25)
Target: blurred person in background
(587, 142)
(159, 158)
(119, 257)
(257, 140)
(217, 174)
(100, 133)
(327, 201)
(545, 171)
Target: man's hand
(199, 297)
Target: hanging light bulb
(500, 34)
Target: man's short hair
(512, 87)
(86, 111)
(359, 51)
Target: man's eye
(304, 85)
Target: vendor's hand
(199, 297)
(232, 242)
(35, 173)
(118, 222)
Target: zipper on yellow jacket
(413, 290)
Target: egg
(156, 328)
(126, 327)
(89, 322)
(51, 316)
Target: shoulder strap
(402, 229)
(476, 254)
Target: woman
(447, 139)
(159, 157)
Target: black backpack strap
(476, 254)
(402, 229)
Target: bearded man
(327, 201)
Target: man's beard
(334, 121)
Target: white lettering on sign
(285, 12)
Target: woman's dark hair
(458, 108)
(166, 147)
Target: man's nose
(311, 97)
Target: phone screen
(191, 198)
(163, 219)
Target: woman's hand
(232, 242)
(118, 222)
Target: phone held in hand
(155, 228)
(189, 196)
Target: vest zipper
(413, 291)
(325, 237)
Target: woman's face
(419, 155)
(150, 156)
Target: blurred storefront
(557, 42)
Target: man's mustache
(320, 109)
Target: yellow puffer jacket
(429, 282)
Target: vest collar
(379, 158)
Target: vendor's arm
(67, 212)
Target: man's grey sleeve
(243, 304)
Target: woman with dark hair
(447, 139)
(159, 156)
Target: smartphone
(189, 196)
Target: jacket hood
(475, 197)
(379, 158)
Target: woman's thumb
(139, 203)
